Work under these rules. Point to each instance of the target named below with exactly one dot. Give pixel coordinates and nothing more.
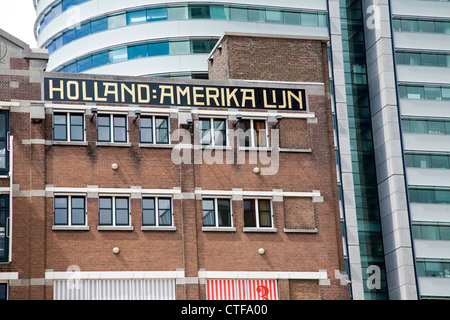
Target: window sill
(254, 229)
(115, 228)
(210, 147)
(301, 230)
(4, 176)
(295, 150)
(156, 145)
(113, 144)
(69, 143)
(70, 228)
(265, 149)
(220, 229)
(162, 228)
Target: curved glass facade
(139, 50)
(55, 10)
(182, 12)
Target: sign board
(167, 94)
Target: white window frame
(216, 227)
(253, 134)
(113, 225)
(69, 225)
(111, 128)
(157, 226)
(258, 228)
(153, 117)
(68, 125)
(212, 131)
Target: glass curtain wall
(363, 161)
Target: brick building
(145, 188)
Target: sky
(17, 18)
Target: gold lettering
(266, 105)
(297, 98)
(114, 91)
(198, 96)
(230, 96)
(71, 96)
(251, 97)
(83, 88)
(165, 94)
(96, 97)
(183, 93)
(147, 91)
(51, 89)
(131, 92)
(210, 95)
(283, 106)
(222, 94)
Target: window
(157, 212)
(117, 132)
(4, 153)
(439, 269)
(4, 227)
(216, 212)
(114, 211)
(213, 132)
(68, 127)
(154, 129)
(431, 232)
(257, 213)
(70, 210)
(3, 291)
(254, 133)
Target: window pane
(265, 219)
(158, 48)
(76, 127)
(120, 129)
(61, 211)
(138, 16)
(444, 233)
(99, 25)
(249, 213)
(60, 132)
(426, 26)
(256, 15)
(414, 92)
(436, 127)
(148, 212)
(432, 93)
(3, 156)
(179, 47)
(224, 212)
(274, 16)
(165, 212)
(3, 125)
(162, 130)
(309, 19)
(220, 137)
(117, 21)
(78, 211)
(103, 128)
(84, 64)
(238, 14)
(100, 59)
(219, 12)
(260, 129)
(199, 12)
(430, 233)
(146, 129)
(208, 213)
(205, 132)
(291, 17)
(177, 13)
(118, 55)
(139, 51)
(83, 30)
(122, 212)
(245, 136)
(105, 211)
(156, 14)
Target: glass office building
(391, 93)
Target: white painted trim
(110, 275)
(273, 193)
(320, 275)
(9, 276)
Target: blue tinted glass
(69, 36)
(99, 25)
(134, 17)
(100, 59)
(83, 30)
(158, 48)
(84, 64)
(156, 14)
(139, 51)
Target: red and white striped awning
(241, 290)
